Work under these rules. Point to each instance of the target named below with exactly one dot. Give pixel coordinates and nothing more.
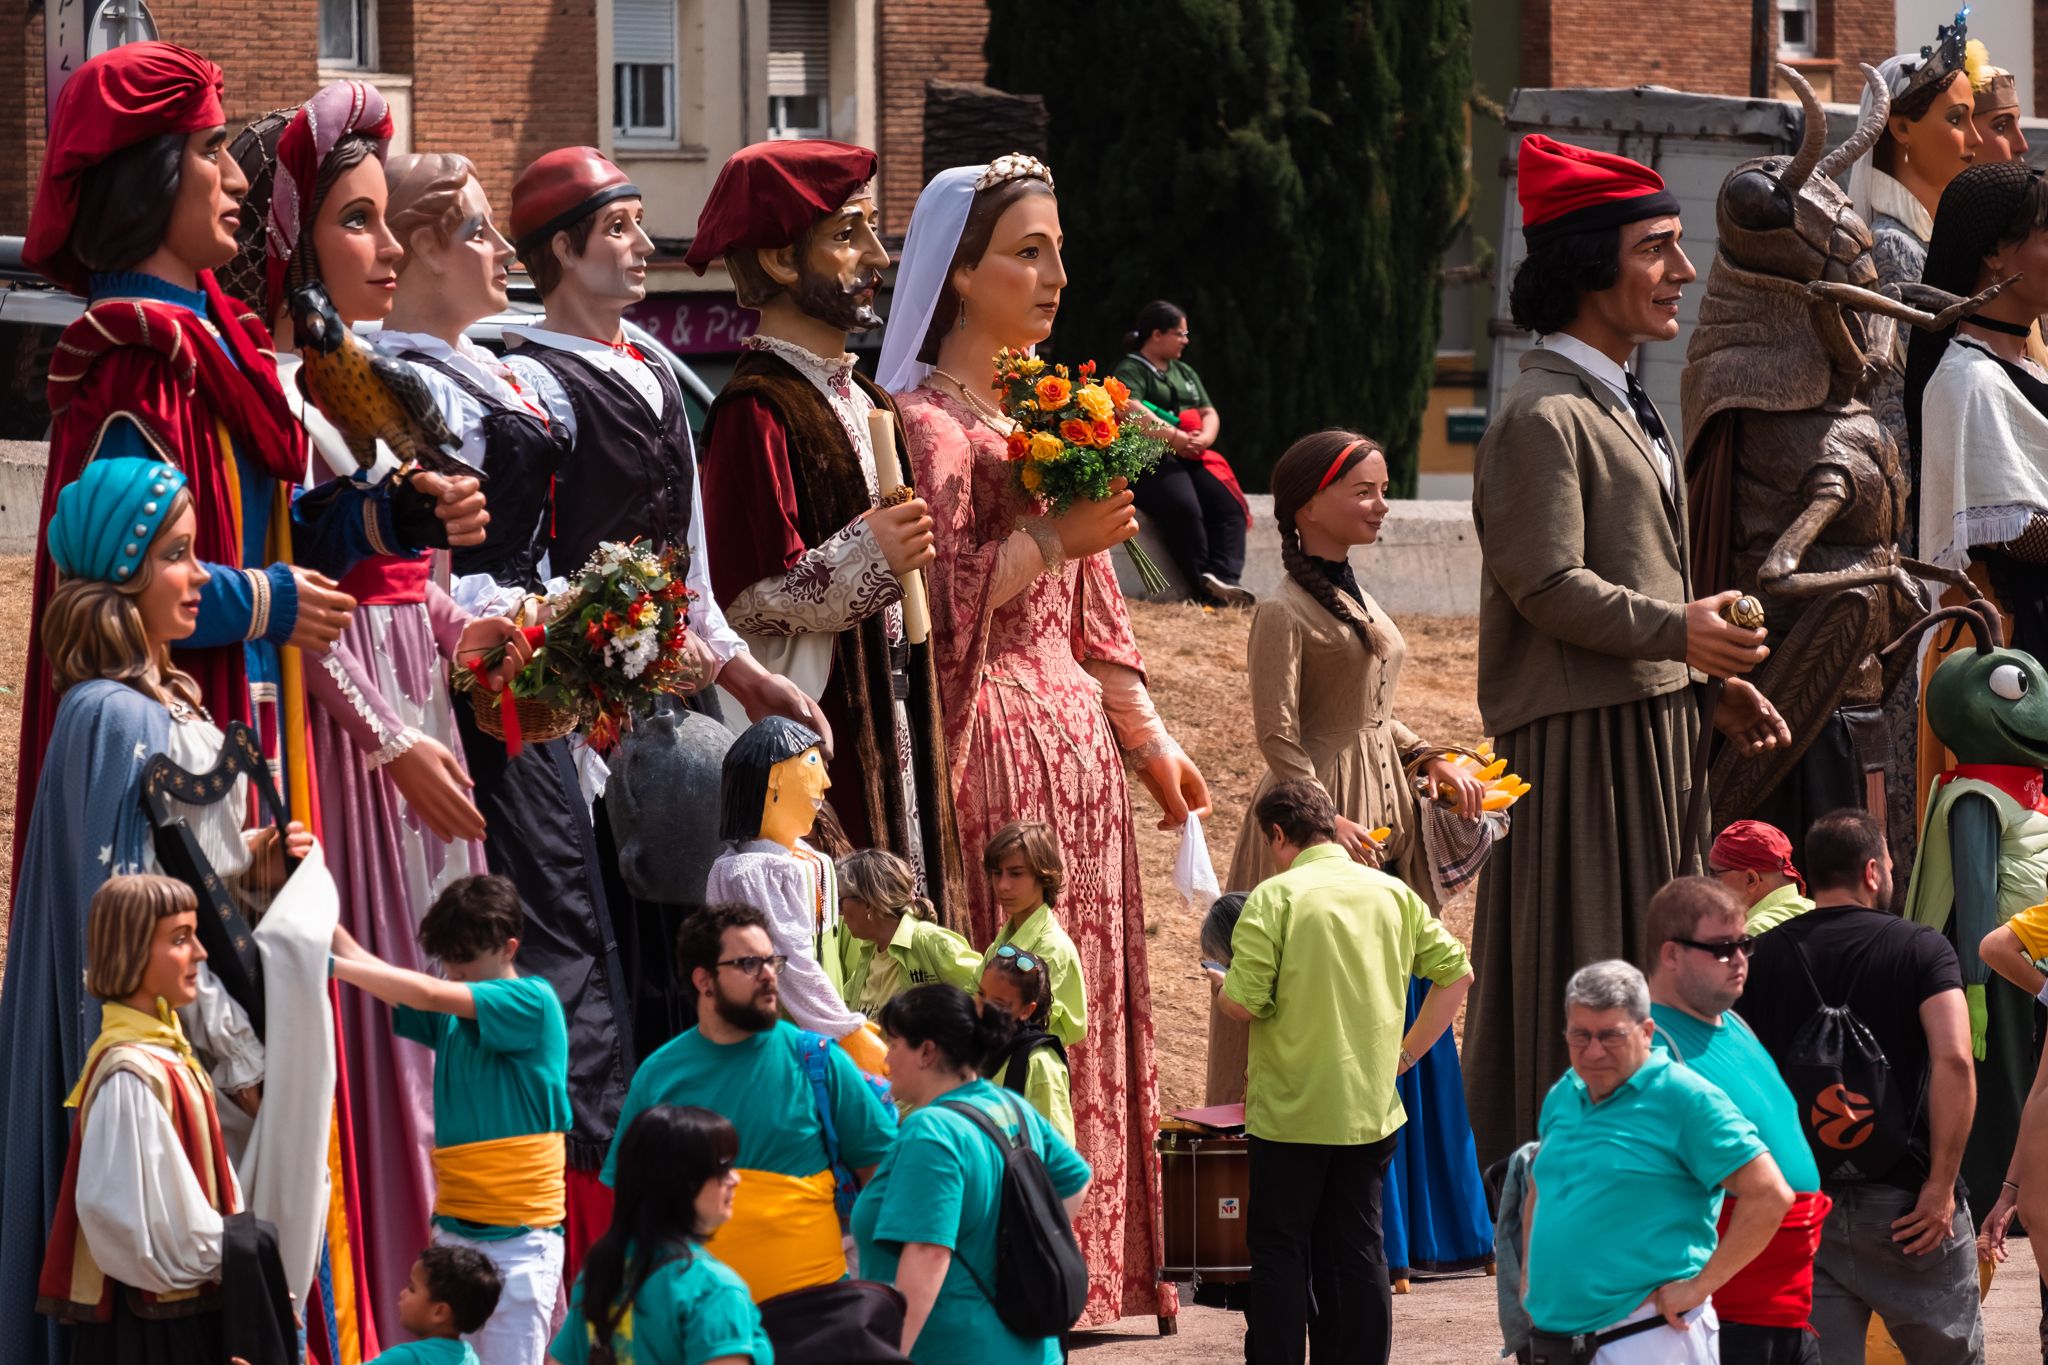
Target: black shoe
(1228, 594)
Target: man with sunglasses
(1620, 1255)
(743, 1060)
(1899, 1241)
(1699, 950)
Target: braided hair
(1302, 472)
(1983, 209)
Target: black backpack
(1857, 1120)
(1041, 1281)
(1028, 1039)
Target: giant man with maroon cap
(627, 471)
(1589, 642)
(807, 562)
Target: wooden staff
(917, 614)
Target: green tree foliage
(1288, 171)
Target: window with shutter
(644, 68)
(799, 67)
(1795, 33)
(345, 33)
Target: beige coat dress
(1322, 708)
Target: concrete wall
(1426, 562)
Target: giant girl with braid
(1324, 660)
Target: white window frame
(799, 73)
(632, 64)
(1811, 10)
(364, 59)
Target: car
(33, 313)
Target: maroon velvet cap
(560, 188)
(768, 193)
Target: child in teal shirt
(501, 1098)
(649, 1291)
(452, 1291)
(1024, 874)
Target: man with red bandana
(1754, 860)
(1589, 640)
(136, 207)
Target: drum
(1205, 1182)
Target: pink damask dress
(1044, 699)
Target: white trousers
(1699, 1345)
(531, 1267)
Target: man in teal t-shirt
(1634, 1155)
(941, 1185)
(501, 1099)
(1699, 962)
(744, 1062)
(1322, 956)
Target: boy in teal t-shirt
(941, 1184)
(452, 1292)
(1024, 875)
(501, 1098)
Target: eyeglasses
(1010, 952)
(754, 966)
(1578, 1039)
(1182, 334)
(1724, 950)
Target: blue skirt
(1434, 1204)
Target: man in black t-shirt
(1899, 1243)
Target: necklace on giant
(988, 412)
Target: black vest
(630, 474)
(521, 452)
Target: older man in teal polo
(1621, 1257)
(1320, 964)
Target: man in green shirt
(1754, 860)
(1322, 957)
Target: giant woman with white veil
(1040, 680)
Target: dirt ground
(1196, 661)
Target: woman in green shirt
(1193, 497)
(928, 1220)
(648, 1288)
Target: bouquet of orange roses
(1069, 440)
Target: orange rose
(1076, 432)
(1019, 444)
(1119, 392)
(1105, 433)
(1053, 392)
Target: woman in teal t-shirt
(648, 1286)
(928, 1220)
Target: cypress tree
(1288, 171)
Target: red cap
(770, 192)
(1753, 846)
(119, 98)
(1566, 189)
(560, 189)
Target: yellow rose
(1096, 403)
(1045, 446)
(1032, 365)
(1030, 476)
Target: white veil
(935, 227)
(1896, 71)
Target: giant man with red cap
(628, 470)
(807, 563)
(1589, 642)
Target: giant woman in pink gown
(1040, 679)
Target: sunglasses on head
(1723, 950)
(1010, 952)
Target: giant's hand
(763, 694)
(1090, 526)
(1177, 785)
(864, 1045)
(1717, 646)
(324, 612)
(905, 533)
(458, 502)
(436, 789)
(1747, 717)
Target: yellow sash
(504, 1182)
(784, 1233)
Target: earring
(963, 315)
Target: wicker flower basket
(538, 721)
